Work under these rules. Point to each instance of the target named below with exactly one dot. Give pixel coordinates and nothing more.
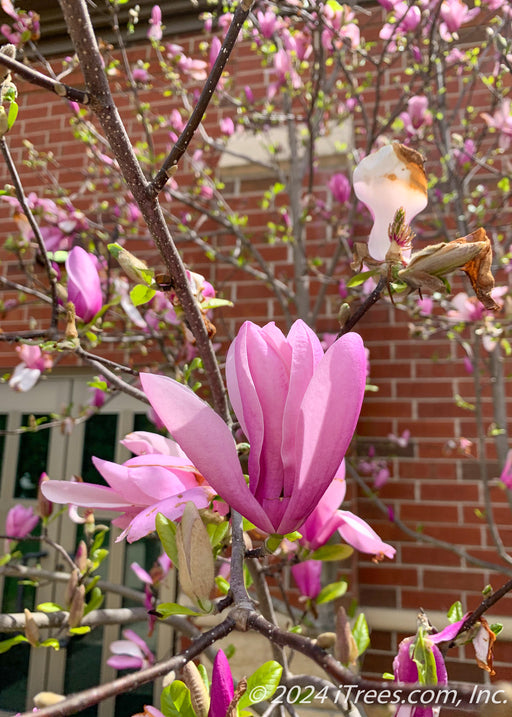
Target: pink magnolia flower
(339, 187)
(406, 670)
(407, 17)
(227, 126)
(139, 489)
(417, 114)
(385, 181)
(298, 408)
(307, 575)
(454, 13)
(20, 521)
(501, 121)
(221, 690)
(506, 473)
(132, 653)
(84, 287)
(268, 23)
(156, 30)
(33, 363)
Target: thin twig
(37, 78)
(179, 149)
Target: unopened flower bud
(196, 570)
(81, 556)
(47, 699)
(132, 266)
(71, 587)
(198, 692)
(44, 506)
(326, 640)
(71, 332)
(345, 647)
(31, 629)
(76, 609)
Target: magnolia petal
(144, 522)
(323, 521)
(125, 662)
(327, 420)
(141, 442)
(262, 384)
(83, 494)
(84, 287)
(357, 533)
(206, 440)
(126, 647)
(306, 353)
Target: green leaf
(388, 676)
(329, 553)
(331, 592)
(99, 537)
(455, 612)
(97, 557)
(12, 114)
(166, 530)
(141, 294)
(360, 278)
(95, 601)
(267, 676)
(5, 559)
(273, 542)
(296, 535)
(496, 627)
(166, 609)
(51, 642)
(204, 676)
(7, 644)
(214, 303)
(222, 584)
(217, 533)
(58, 256)
(361, 634)
(175, 700)
(81, 630)
(49, 607)
(423, 656)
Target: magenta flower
(33, 363)
(339, 187)
(131, 653)
(417, 114)
(156, 30)
(506, 473)
(501, 121)
(307, 575)
(454, 13)
(298, 408)
(20, 521)
(326, 518)
(406, 670)
(221, 690)
(139, 489)
(84, 288)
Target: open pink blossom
(417, 114)
(84, 287)
(298, 408)
(132, 653)
(139, 489)
(455, 13)
(20, 521)
(506, 473)
(501, 121)
(385, 181)
(326, 518)
(406, 670)
(33, 363)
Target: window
(24, 454)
